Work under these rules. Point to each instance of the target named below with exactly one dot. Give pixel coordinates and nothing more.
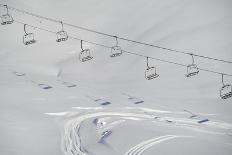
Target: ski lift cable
(128, 52)
(110, 35)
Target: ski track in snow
(143, 146)
(71, 140)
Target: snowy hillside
(52, 103)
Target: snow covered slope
(106, 106)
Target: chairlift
(192, 69)
(226, 90)
(62, 35)
(150, 72)
(85, 54)
(7, 18)
(116, 50)
(28, 38)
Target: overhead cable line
(118, 37)
(128, 52)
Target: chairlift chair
(7, 18)
(192, 69)
(28, 38)
(85, 54)
(62, 35)
(226, 90)
(116, 50)
(150, 72)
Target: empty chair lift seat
(226, 91)
(116, 51)
(85, 55)
(7, 19)
(192, 70)
(150, 73)
(28, 39)
(62, 36)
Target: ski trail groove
(140, 148)
(71, 140)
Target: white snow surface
(53, 104)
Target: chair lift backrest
(29, 36)
(116, 49)
(192, 67)
(192, 70)
(150, 73)
(85, 53)
(62, 35)
(151, 70)
(28, 39)
(6, 17)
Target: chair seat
(152, 76)
(115, 54)
(7, 19)
(86, 58)
(116, 51)
(227, 95)
(192, 74)
(61, 36)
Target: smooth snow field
(53, 102)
